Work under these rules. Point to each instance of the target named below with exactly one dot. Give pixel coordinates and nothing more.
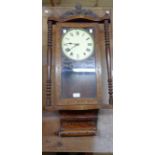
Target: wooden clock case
(78, 117)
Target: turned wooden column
(49, 54)
(108, 60)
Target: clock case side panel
(84, 102)
(50, 85)
(53, 66)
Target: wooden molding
(49, 53)
(77, 107)
(108, 60)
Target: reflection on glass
(83, 70)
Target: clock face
(77, 44)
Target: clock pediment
(79, 11)
(80, 14)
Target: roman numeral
(77, 33)
(67, 49)
(71, 34)
(89, 44)
(88, 49)
(83, 34)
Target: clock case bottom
(78, 123)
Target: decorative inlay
(79, 11)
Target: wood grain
(78, 123)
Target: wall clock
(74, 72)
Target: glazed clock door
(78, 64)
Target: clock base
(78, 123)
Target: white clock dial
(77, 44)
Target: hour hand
(71, 44)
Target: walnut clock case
(74, 72)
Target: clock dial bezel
(91, 35)
(57, 89)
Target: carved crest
(79, 11)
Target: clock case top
(80, 19)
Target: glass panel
(78, 74)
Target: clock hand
(74, 46)
(68, 43)
(71, 43)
